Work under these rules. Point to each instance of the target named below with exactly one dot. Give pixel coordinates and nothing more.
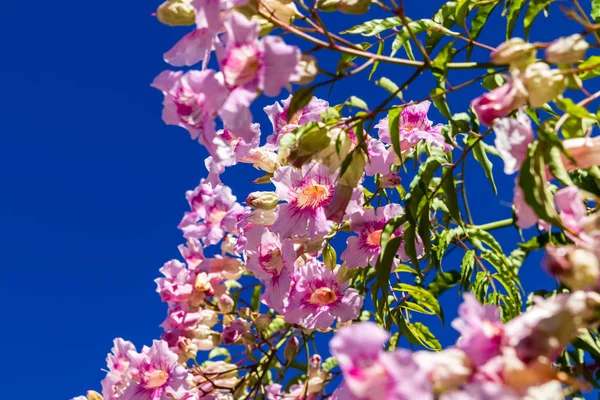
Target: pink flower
(232, 149)
(119, 375)
(178, 283)
(372, 374)
(158, 373)
(500, 102)
(361, 250)
(550, 325)
(513, 136)
(250, 65)
(191, 49)
(572, 213)
(481, 330)
(414, 126)
(277, 114)
(585, 151)
(213, 214)
(271, 260)
(317, 298)
(308, 192)
(192, 252)
(526, 217)
(192, 101)
(380, 158)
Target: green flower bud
(176, 13)
(262, 200)
(263, 321)
(543, 83)
(291, 349)
(567, 50)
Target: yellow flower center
(323, 296)
(216, 217)
(156, 379)
(312, 196)
(374, 238)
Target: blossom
(233, 149)
(363, 249)
(567, 50)
(446, 370)
(271, 260)
(585, 151)
(572, 212)
(515, 52)
(158, 373)
(178, 283)
(576, 267)
(317, 298)
(277, 114)
(192, 252)
(217, 213)
(513, 136)
(543, 83)
(500, 101)
(525, 215)
(308, 192)
(191, 49)
(380, 158)
(249, 65)
(481, 330)
(217, 376)
(192, 101)
(414, 126)
(549, 326)
(372, 374)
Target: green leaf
(373, 27)
(554, 160)
(443, 282)
(300, 100)
(390, 86)
(595, 11)
(255, 300)
(483, 13)
(592, 66)
(462, 9)
(573, 109)
(466, 269)
(480, 155)
(357, 102)
(219, 351)
(439, 101)
(451, 194)
(486, 238)
(421, 297)
(532, 180)
(534, 9)
(444, 16)
(394, 128)
(439, 64)
(514, 9)
(376, 63)
(416, 27)
(481, 286)
(424, 335)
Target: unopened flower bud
(291, 349)
(225, 303)
(187, 348)
(501, 101)
(575, 267)
(262, 159)
(284, 10)
(389, 180)
(176, 13)
(262, 217)
(345, 6)
(567, 50)
(543, 83)
(306, 70)
(515, 52)
(202, 283)
(92, 395)
(262, 200)
(263, 321)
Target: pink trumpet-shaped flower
(271, 260)
(513, 136)
(480, 328)
(178, 283)
(318, 299)
(158, 373)
(500, 102)
(192, 101)
(277, 114)
(308, 192)
(414, 126)
(361, 250)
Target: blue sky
(92, 183)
